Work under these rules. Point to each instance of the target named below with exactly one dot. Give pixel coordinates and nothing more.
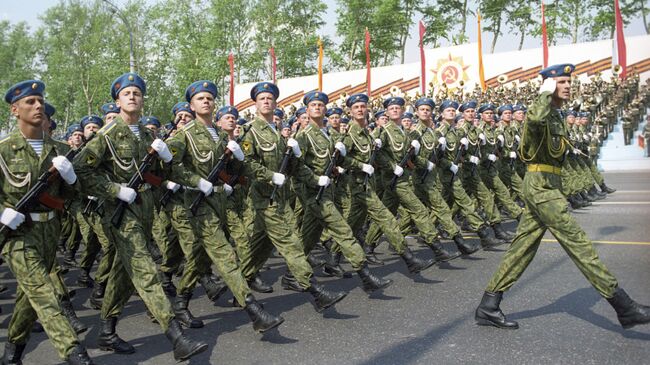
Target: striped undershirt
(213, 133)
(135, 129)
(37, 145)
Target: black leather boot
(414, 264)
(289, 282)
(597, 194)
(573, 202)
(13, 353)
(182, 312)
(464, 247)
(262, 320)
(371, 258)
(585, 196)
(606, 189)
(501, 233)
(440, 253)
(69, 261)
(108, 340)
(97, 296)
(629, 312)
(213, 289)
(259, 285)
(488, 312)
(582, 200)
(324, 298)
(79, 356)
(84, 279)
(184, 348)
(168, 284)
(370, 282)
(314, 261)
(68, 311)
(487, 241)
(333, 267)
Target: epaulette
(4, 139)
(107, 127)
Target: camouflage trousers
(457, 198)
(90, 240)
(108, 249)
(501, 194)
(473, 182)
(166, 239)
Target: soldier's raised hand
(65, 169)
(548, 85)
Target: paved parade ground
(426, 319)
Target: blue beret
(278, 113)
(241, 121)
(74, 128)
(199, 87)
(394, 100)
(379, 113)
(126, 80)
(109, 108)
(182, 106)
(265, 87)
(407, 115)
(425, 101)
(458, 118)
(356, 98)
(468, 105)
(372, 126)
(448, 104)
(292, 119)
(91, 119)
(518, 107)
(485, 107)
(564, 69)
(169, 126)
(315, 96)
(150, 121)
(285, 125)
(332, 111)
(49, 110)
(571, 112)
(503, 108)
(345, 120)
(24, 89)
(583, 114)
(228, 110)
(300, 111)
(52, 125)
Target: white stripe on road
(620, 203)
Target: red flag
(619, 52)
(231, 62)
(273, 64)
(368, 61)
(423, 76)
(544, 38)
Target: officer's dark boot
(585, 196)
(370, 255)
(84, 279)
(487, 241)
(68, 311)
(324, 298)
(154, 250)
(414, 264)
(585, 199)
(333, 267)
(259, 285)
(168, 284)
(501, 233)
(13, 354)
(97, 296)
(370, 282)
(597, 194)
(213, 289)
(606, 189)
(464, 247)
(182, 312)
(108, 340)
(79, 356)
(573, 202)
(488, 312)
(629, 312)
(440, 253)
(289, 282)
(314, 261)
(68, 260)
(184, 348)
(262, 320)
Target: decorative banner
(450, 71)
(231, 62)
(481, 72)
(544, 39)
(423, 77)
(320, 64)
(273, 64)
(619, 54)
(368, 62)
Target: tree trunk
(463, 20)
(521, 39)
(643, 16)
(576, 23)
(353, 49)
(496, 34)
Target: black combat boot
(324, 298)
(501, 233)
(289, 282)
(97, 296)
(440, 253)
(213, 289)
(84, 279)
(108, 340)
(259, 285)
(629, 312)
(262, 320)
(370, 282)
(182, 312)
(585, 196)
(333, 266)
(13, 354)
(597, 194)
(370, 255)
(573, 202)
(464, 247)
(79, 356)
(582, 200)
(167, 283)
(414, 264)
(606, 189)
(488, 312)
(68, 311)
(314, 261)
(487, 241)
(184, 348)
(69, 261)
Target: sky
(16, 11)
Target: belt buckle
(42, 216)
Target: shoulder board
(107, 127)
(190, 125)
(5, 138)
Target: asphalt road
(424, 319)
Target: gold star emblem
(567, 69)
(34, 86)
(205, 84)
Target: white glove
(501, 139)
(415, 144)
(492, 157)
(442, 141)
(513, 154)
(126, 194)
(227, 189)
(161, 148)
(236, 150)
(323, 180)
(585, 136)
(341, 147)
(481, 136)
(278, 179)
(65, 169)
(205, 186)
(11, 218)
(294, 146)
(548, 85)
(93, 198)
(464, 141)
(575, 151)
(340, 170)
(474, 160)
(368, 169)
(517, 138)
(453, 168)
(398, 170)
(430, 165)
(378, 143)
(173, 186)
